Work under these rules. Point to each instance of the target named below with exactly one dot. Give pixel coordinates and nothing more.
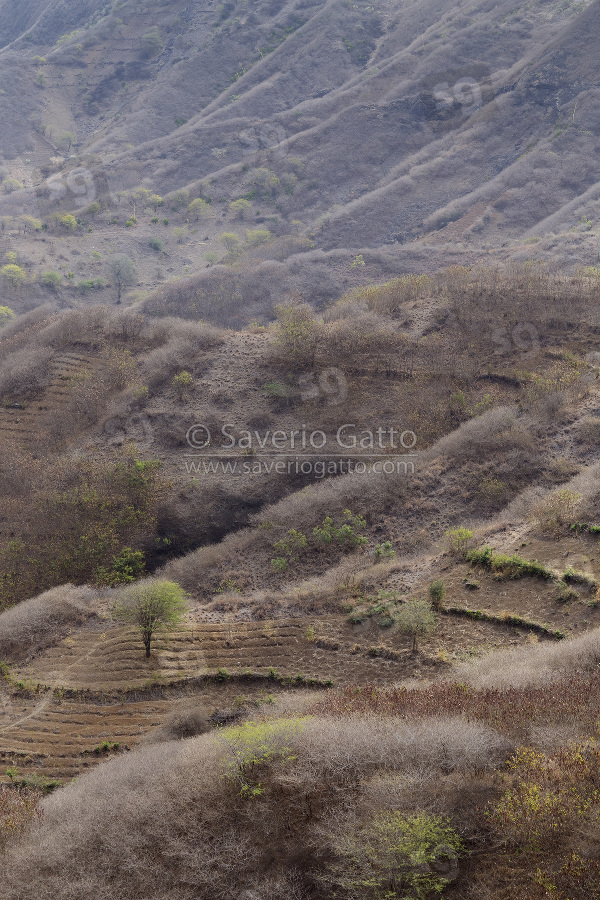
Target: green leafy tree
(64, 140)
(231, 241)
(416, 618)
(239, 208)
(298, 333)
(151, 606)
(199, 208)
(68, 222)
(13, 275)
(437, 592)
(6, 314)
(258, 236)
(29, 223)
(155, 200)
(122, 273)
(52, 280)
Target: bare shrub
(18, 811)
(534, 665)
(183, 342)
(43, 620)
(25, 372)
(343, 751)
(27, 323)
(556, 511)
(167, 820)
(187, 720)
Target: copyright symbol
(198, 437)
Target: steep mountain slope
(416, 133)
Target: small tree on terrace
(122, 273)
(416, 619)
(151, 606)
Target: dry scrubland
(382, 686)
(289, 696)
(346, 791)
(169, 133)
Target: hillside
(409, 135)
(300, 433)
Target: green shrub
(126, 568)
(156, 244)
(183, 383)
(511, 566)
(343, 534)
(396, 856)
(6, 314)
(416, 618)
(258, 236)
(572, 577)
(198, 208)
(458, 540)
(291, 546)
(385, 550)
(437, 592)
(254, 745)
(566, 593)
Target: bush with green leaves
(151, 606)
(416, 619)
(458, 540)
(298, 334)
(183, 383)
(240, 207)
(289, 550)
(437, 592)
(156, 244)
(68, 222)
(6, 314)
(52, 280)
(385, 551)
(14, 276)
(513, 566)
(255, 745)
(199, 208)
(396, 856)
(231, 241)
(257, 236)
(344, 534)
(126, 568)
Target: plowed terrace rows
(49, 733)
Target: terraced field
(96, 685)
(21, 423)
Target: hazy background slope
(421, 133)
